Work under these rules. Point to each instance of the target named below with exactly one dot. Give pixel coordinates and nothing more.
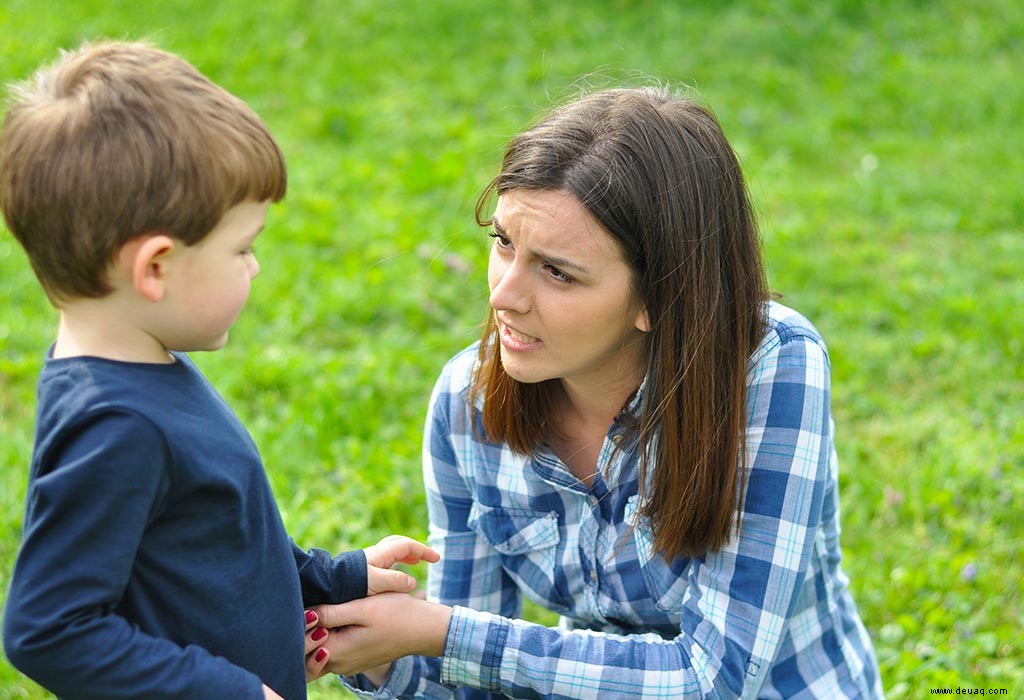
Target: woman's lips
(517, 341)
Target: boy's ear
(146, 259)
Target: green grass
(882, 143)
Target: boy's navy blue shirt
(154, 561)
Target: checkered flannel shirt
(770, 615)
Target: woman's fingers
(331, 616)
(373, 631)
(355, 648)
(316, 663)
(317, 654)
(315, 639)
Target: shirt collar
(631, 411)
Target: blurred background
(884, 149)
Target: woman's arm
(736, 604)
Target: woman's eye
(500, 240)
(559, 275)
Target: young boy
(154, 562)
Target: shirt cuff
(473, 649)
(327, 579)
(399, 682)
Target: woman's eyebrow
(562, 263)
(552, 260)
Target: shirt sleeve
(327, 579)
(89, 502)
(738, 600)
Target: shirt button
(593, 501)
(593, 575)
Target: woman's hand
(316, 654)
(369, 633)
(392, 550)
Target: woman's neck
(581, 421)
(594, 409)
(597, 398)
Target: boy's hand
(392, 550)
(317, 654)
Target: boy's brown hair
(116, 140)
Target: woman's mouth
(517, 342)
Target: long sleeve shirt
(769, 615)
(154, 562)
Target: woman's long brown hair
(658, 173)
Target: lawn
(884, 147)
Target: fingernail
(310, 617)
(318, 634)
(410, 583)
(320, 655)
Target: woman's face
(562, 294)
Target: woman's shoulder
(448, 400)
(460, 366)
(457, 373)
(786, 326)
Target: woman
(641, 442)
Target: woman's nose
(509, 288)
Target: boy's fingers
(332, 616)
(410, 551)
(396, 548)
(421, 552)
(381, 580)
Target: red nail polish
(310, 617)
(320, 655)
(318, 634)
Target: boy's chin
(217, 344)
(202, 346)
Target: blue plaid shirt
(768, 616)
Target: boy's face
(210, 283)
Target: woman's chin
(521, 371)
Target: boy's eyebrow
(552, 260)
